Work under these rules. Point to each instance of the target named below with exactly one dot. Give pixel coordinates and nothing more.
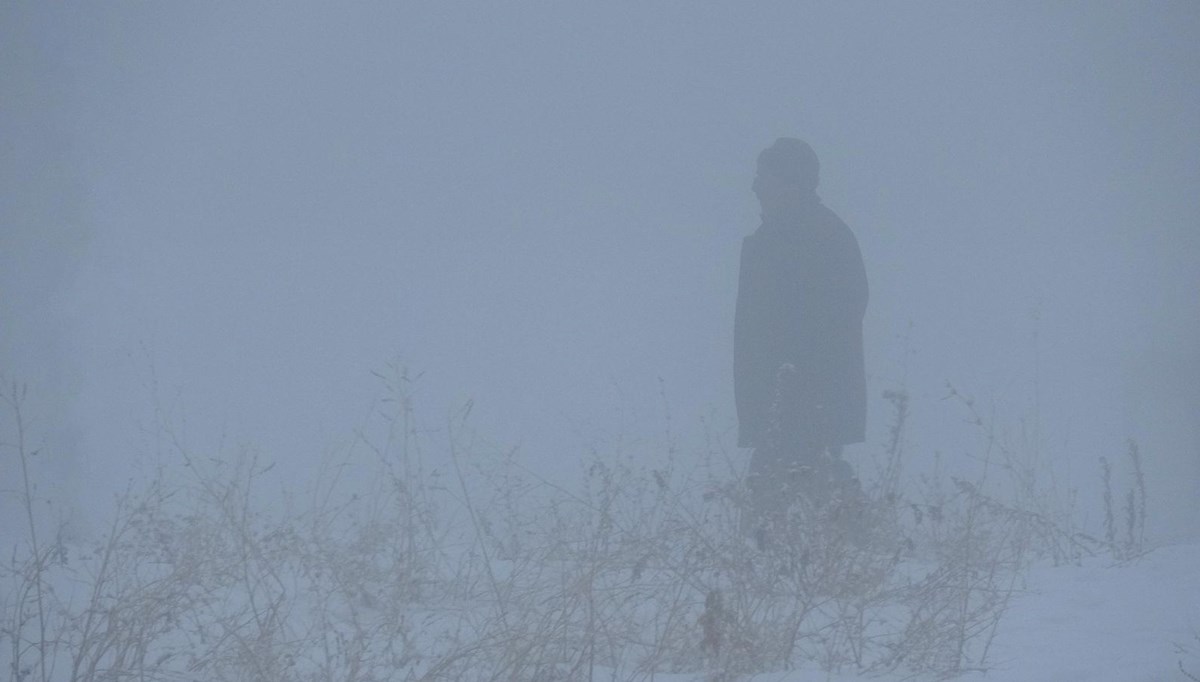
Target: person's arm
(744, 352)
(859, 290)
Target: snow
(1102, 621)
(1099, 622)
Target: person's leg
(807, 469)
(840, 473)
(767, 486)
(848, 505)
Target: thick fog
(229, 217)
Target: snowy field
(487, 573)
(1103, 621)
(386, 566)
(1135, 621)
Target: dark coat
(802, 294)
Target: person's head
(788, 173)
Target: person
(799, 378)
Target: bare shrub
(1193, 652)
(1131, 542)
(500, 575)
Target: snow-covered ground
(1104, 620)
(533, 582)
(1099, 622)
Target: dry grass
(497, 575)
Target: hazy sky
(238, 212)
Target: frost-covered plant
(499, 575)
(1190, 671)
(1128, 541)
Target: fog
(233, 215)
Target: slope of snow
(1100, 622)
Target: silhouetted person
(799, 380)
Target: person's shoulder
(754, 238)
(749, 246)
(755, 245)
(837, 226)
(832, 218)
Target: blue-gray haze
(232, 214)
